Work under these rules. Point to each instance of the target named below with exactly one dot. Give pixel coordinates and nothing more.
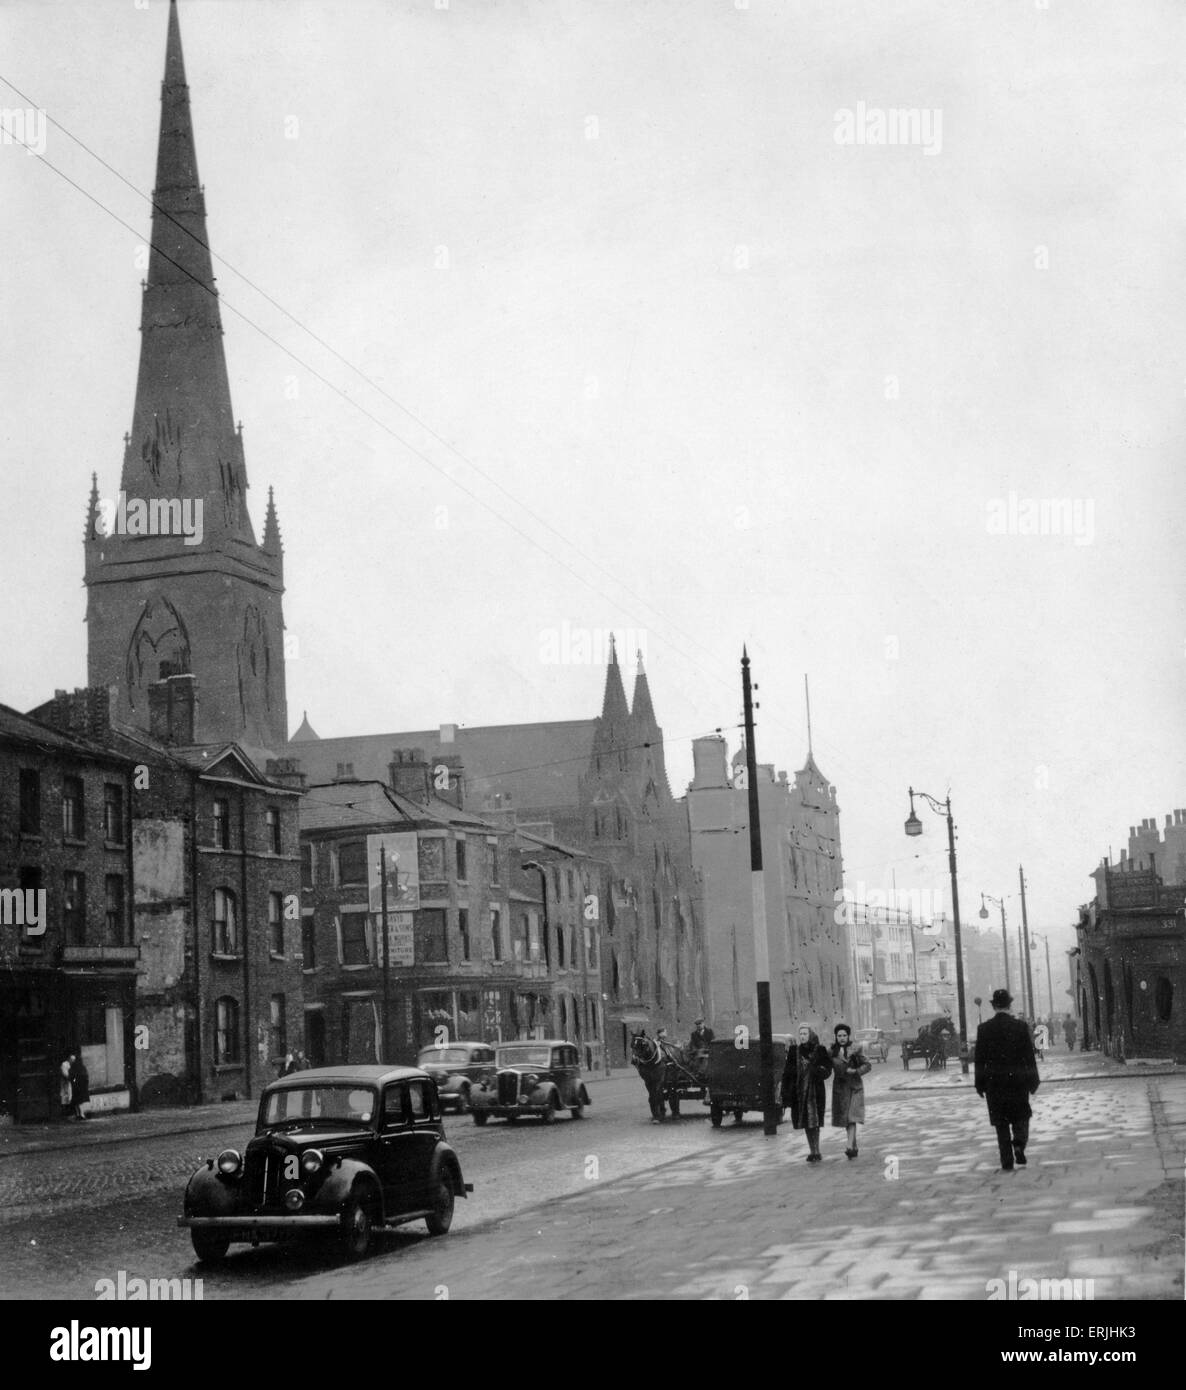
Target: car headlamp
(312, 1162)
(229, 1162)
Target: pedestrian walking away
(1069, 1029)
(1006, 1076)
(849, 1065)
(808, 1066)
(80, 1086)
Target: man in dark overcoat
(1006, 1075)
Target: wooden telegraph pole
(386, 954)
(770, 1112)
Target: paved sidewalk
(122, 1125)
(1055, 1067)
(924, 1213)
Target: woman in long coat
(808, 1067)
(849, 1064)
(80, 1087)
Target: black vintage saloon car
(533, 1078)
(338, 1151)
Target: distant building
(568, 890)
(1131, 958)
(453, 958)
(811, 953)
(68, 955)
(214, 893)
(598, 786)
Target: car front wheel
(442, 1208)
(355, 1235)
(210, 1246)
(548, 1113)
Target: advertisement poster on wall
(403, 872)
(401, 940)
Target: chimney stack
(286, 771)
(409, 774)
(171, 708)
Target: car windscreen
(524, 1056)
(333, 1104)
(444, 1056)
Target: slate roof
(339, 805)
(15, 725)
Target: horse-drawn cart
(734, 1078)
(671, 1074)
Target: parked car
(533, 1078)
(337, 1151)
(457, 1068)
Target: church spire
(271, 541)
(183, 442)
(614, 709)
(642, 711)
(176, 583)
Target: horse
(658, 1070)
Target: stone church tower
(206, 603)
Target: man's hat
(699, 1020)
(1001, 999)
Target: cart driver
(701, 1036)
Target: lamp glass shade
(984, 914)
(913, 824)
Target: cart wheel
(716, 1114)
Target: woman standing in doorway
(65, 1089)
(80, 1086)
(849, 1064)
(808, 1067)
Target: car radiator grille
(508, 1087)
(263, 1178)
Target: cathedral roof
(306, 733)
(538, 766)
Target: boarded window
(356, 939)
(73, 809)
(432, 861)
(30, 801)
(431, 938)
(352, 862)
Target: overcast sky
(680, 362)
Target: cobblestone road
(924, 1213)
(679, 1211)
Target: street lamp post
(1045, 940)
(1004, 936)
(546, 930)
(914, 828)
